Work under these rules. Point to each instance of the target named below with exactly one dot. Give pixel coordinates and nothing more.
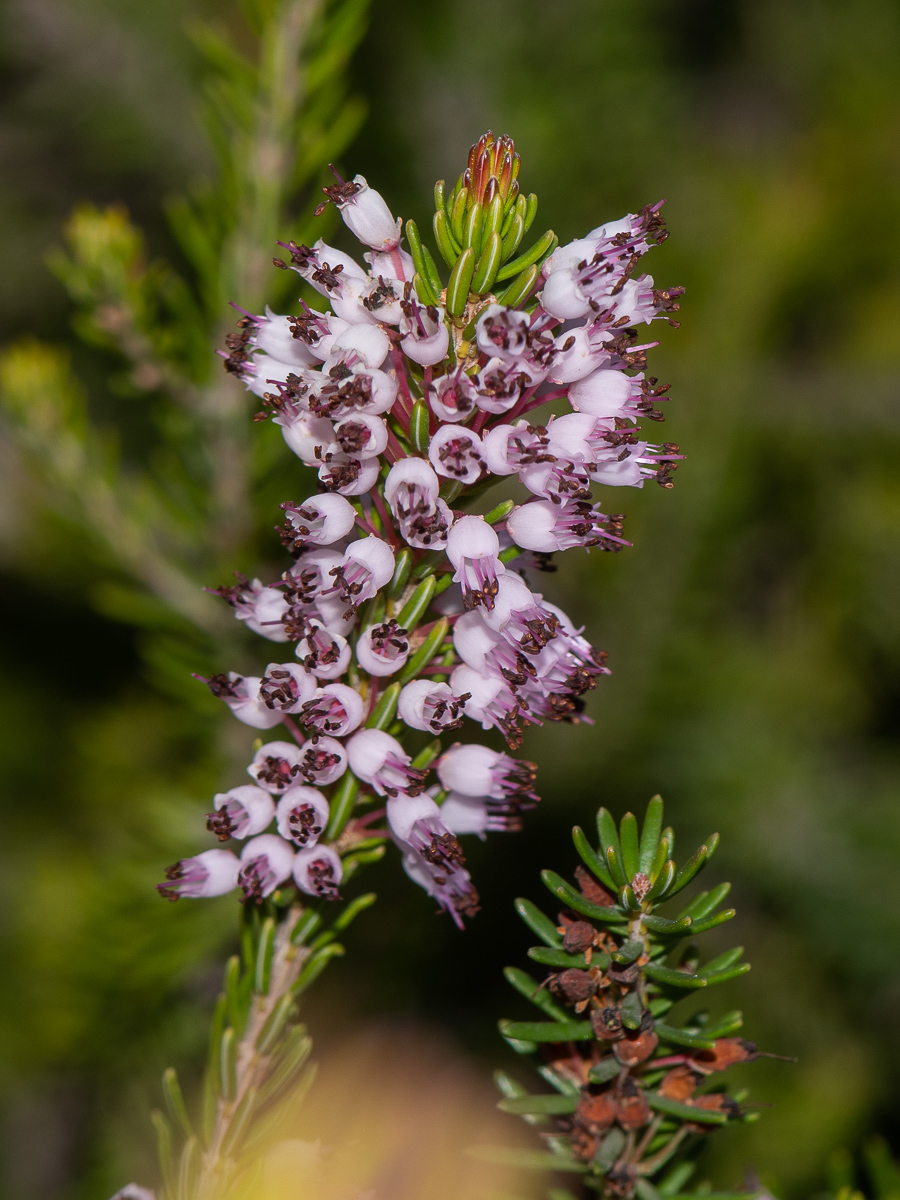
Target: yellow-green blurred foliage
(390, 1113)
(754, 629)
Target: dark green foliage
(878, 1179)
(635, 1096)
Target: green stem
(265, 162)
(253, 1066)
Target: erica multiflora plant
(409, 611)
(411, 616)
(636, 1091)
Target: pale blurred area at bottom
(390, 1116)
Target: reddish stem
(393, 451)
(371, 700)
(539, 400)
(480, 421)
(397, 260)
(385, 516)
(397, 359)
(362, 520)
(378, 813)
(297, 733)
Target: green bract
(478, 227)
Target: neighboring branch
(40, 392)
(275, 123)
(258, 1051)
(631, 1106)
(263, 166)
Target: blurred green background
(754, 628)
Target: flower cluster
(409, 612)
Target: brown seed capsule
(592, 889)
(584, 1145)
(624, 974)
(727, 1052)
(679, 1084)
(578, 937)
(620, 1179)
(573, 985)
(632, 1108)
(717, 1102)
(596, 1111)
(637, 1046)
(607, 1023)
